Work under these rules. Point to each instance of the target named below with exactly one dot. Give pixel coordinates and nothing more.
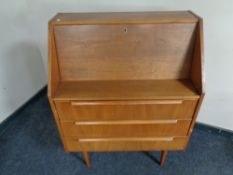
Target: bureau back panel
(125, 51)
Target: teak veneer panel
(126, 90)
(124, 52)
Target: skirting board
(214, 129)
(6, 123)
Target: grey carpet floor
(31, 145)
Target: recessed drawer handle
(152, 139)
(147, 102)
(126, 122)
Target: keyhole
(125, 30)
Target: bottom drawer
(126, 144)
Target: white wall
(21, 68)
(218, 28)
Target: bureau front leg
(163, 157)
(86, 159)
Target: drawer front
(125, 110)
(106, 129)
(126, 144)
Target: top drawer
(125, 110)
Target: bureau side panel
(58, 124)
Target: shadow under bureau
(129, 81)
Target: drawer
(136, 128)
(125, 110)
(126, 144)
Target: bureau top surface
(125, 17)
(126, 90)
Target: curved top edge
(125, 17)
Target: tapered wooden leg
(163, 157)
(86, 159)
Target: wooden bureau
(125, 81)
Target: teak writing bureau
(125, 81)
